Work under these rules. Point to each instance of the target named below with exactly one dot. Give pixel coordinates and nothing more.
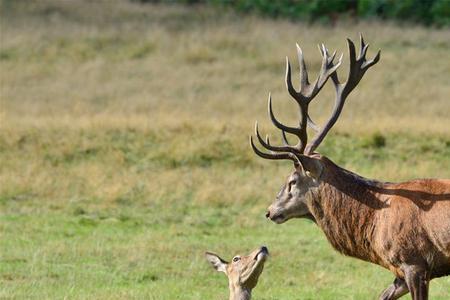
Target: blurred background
(124, 140)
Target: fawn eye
(236, 259)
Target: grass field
(124, 152)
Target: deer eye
(236, 259)
(291, 184)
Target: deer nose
(268, 214)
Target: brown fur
(389, 224)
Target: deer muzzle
(275, 216)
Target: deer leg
(417, 281)
(397, 289)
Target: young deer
(404, 227)
(242, 272)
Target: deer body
(388, 224)
(404, 227)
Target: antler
(307, 92)
(358, 66)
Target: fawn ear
(313, 167)
(218, 263)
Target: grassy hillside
(124, 152)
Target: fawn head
(243, 271)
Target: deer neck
(239, 293)
(344, 206)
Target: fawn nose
(268, 214)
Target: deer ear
(218, 263)
(313, 167)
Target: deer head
(292, 200)
(242, 272)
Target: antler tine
(266, 144)
(326, 70)
(273, 155)
(313, 125)
(289, 85)
(371, 62)
(278, 124)
(363, 47)
(358, 66)
(303, 71)
(332, 56)
(284, 138)
(300, 132)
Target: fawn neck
(239, 293)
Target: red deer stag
(404, 227)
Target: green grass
(124, 152)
